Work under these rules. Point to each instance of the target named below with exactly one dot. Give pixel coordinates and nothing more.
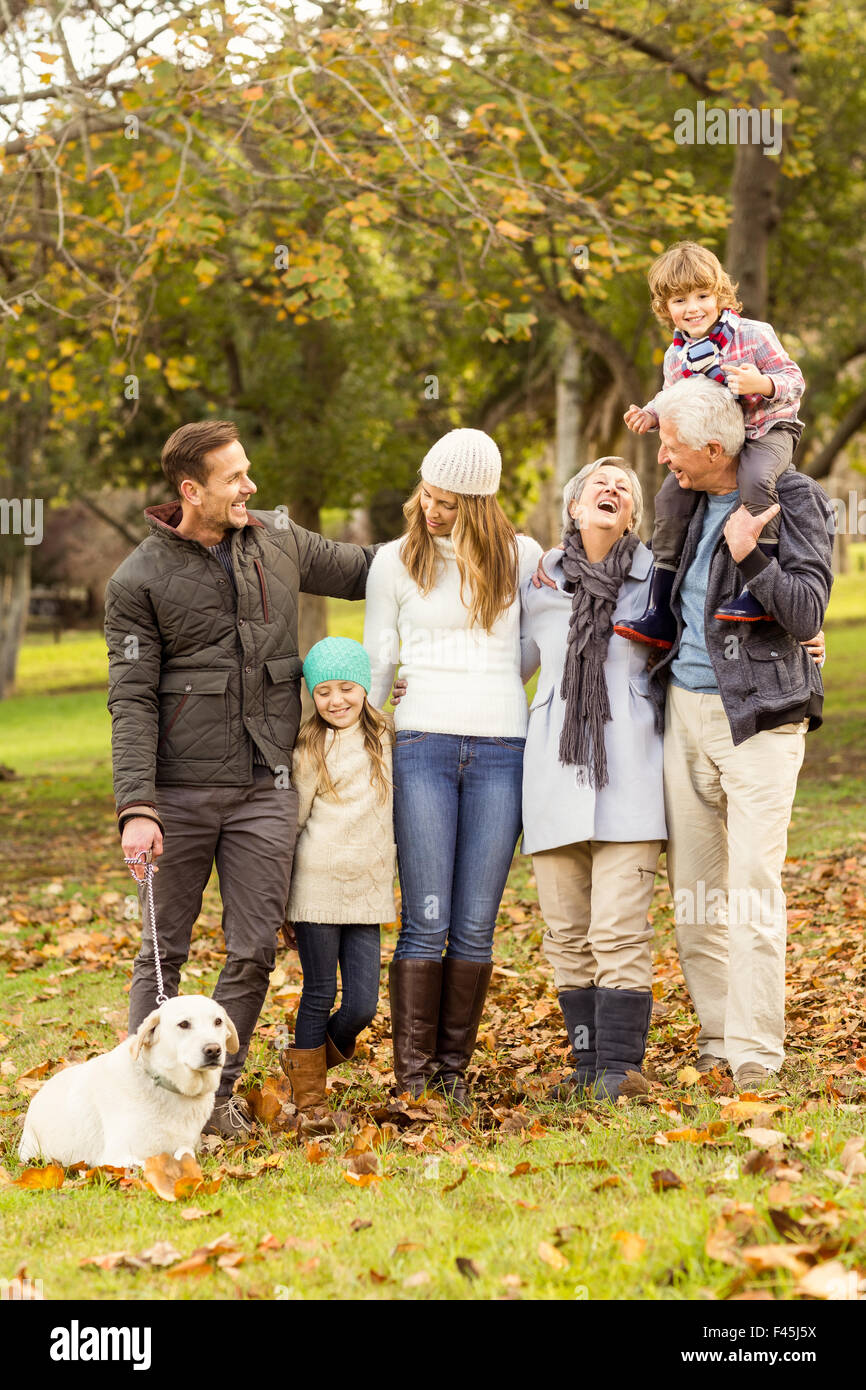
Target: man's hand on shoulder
(742, 530)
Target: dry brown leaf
(161, 1254)
(632, 1245)
(832, 1281)
(315, 1152)
(41, 1179)
(363, 1163)
(689, 1076)
(663, 1180)
(171, 1178)
(362, 1179)
(853, 1160)
(791, 1257)
(552, 1256)
(739, 1111)
(463, 1175)
(115, 1259)
(763, 1138)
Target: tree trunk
(14, 602)
(755, 184)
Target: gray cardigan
(765, 677)
(557, 810)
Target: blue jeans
(322, 947)
(457, 816)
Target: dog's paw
(182, 1153)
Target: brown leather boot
(333, 1055)
(307, 1070)
(464, 989)
(414, 987)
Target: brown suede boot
(414, 987)
(307, 1070)
(464, 989)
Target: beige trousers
(594, 897)
(728, 811)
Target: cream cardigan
(343, 870)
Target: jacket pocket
(282, 697)
(779, 673)
(193, 715)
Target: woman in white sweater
(444, 602)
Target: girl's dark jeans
(322, 947)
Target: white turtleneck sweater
(460, 679)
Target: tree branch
(818, 466)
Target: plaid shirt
(754, 342)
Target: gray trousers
(760, 465)
(249, 833)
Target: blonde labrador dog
(152, 1094)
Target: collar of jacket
(167, 516)
(641, 564)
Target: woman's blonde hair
(684, 267)
(312, 738)
(485, 547)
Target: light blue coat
(556, 809)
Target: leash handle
(146, 858)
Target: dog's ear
(146, 1035)
(232, 1041)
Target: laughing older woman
(593, 799)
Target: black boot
(622, 1021)
(415, 987)
(464, 989)
(578, 1010)
(658, 626)
(745, 608)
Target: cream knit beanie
(464, 461)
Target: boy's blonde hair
(684, 267)
(376, 727)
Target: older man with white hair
(737, 706)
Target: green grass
(59, 997)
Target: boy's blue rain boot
(622, 1021)
(745, 608)
(658, 626)
(578, 1010)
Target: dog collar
(164, 1082)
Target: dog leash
(146, 859)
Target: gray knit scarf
(584, 687)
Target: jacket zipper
(263, 588)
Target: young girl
(343, 873)
(694, 295)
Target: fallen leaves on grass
(222, 1253)
(41, 1179)
(173, 1179)
(631, 1244)
(552, 1256)
(663, 1180)
(764, 1138)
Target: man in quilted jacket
(201, 622)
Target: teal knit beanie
(337, 659)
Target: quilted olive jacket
(193, 666)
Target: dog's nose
(212, 1052)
